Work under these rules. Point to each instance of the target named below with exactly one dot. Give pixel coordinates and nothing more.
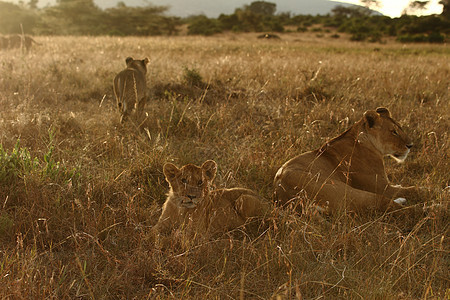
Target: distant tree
(15, 17)
(147, 20)
(83, 17)
(228, 21)
(73, 17)
(419, 4)
(350, 12)
(415, 6)
(33, 4)
(262, 8)
(203, 25)
(370, 3)
(445, 9)
(248, 20)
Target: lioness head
(137, 64)
(385, 134)
(190, 184)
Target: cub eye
(183, 180)
(394, 132)
(200, 182)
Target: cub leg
(248, 206)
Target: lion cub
(130, 88)
(190, 200)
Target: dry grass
(77, 223)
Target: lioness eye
(394, 132)
(200, 182)
(183, 180)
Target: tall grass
(79, 193)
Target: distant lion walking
(130, 88)
(4, 42)
(21, 41)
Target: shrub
(19, 163)
(204, 26)
(434, 37)
(192, 77)
(16, 164)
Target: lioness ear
(128, 60)
(170, 171)
(384, 112)
(371, 117)
(146, 61)
(209, 168)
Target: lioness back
(348, 171)
(130, 88)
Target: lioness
(348, 171)
(130, 88)
(190, 200)
(18, 41)
(4, 42)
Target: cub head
(189, 185)
(140, 65)
(386, 134)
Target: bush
(359, 37)
(16, 164)
(204, 26)
(192, 77)
(434, 37)
(20, 162)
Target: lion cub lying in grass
(130, 88)
(190, 200)
(348, 171)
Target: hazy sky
(394, 8)
(391, 8)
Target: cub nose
(409, 146)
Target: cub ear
(128, 60)
(146, 61)
(371, 117)
(209, 168)
(170, 171)
(384, 112)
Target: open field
(79, 193)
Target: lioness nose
(409, 146)
(190, 197)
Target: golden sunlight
(396, 8)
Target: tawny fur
(130, 88)
(19, 41)
(348, 171)
(190, 201)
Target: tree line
(83, 17)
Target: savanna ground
(79, 193)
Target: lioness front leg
(408, 193)
(339, 195)
(334, 194)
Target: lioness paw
(400, 200)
